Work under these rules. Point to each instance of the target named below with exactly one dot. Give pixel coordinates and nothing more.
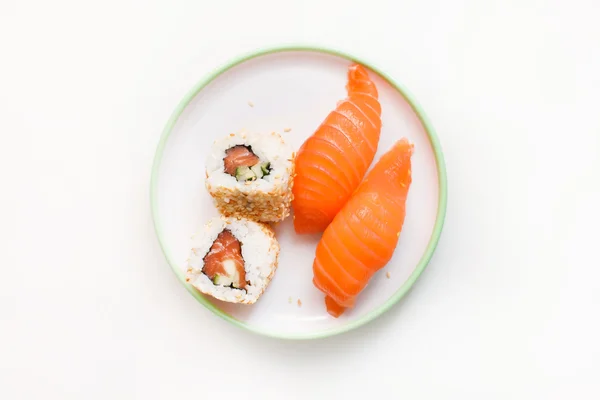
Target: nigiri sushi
(364, 234)
(331, 163)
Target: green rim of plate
(442, 200)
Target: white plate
(272, 90)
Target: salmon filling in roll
(224, 264)
(241, 163)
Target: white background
(509, 306)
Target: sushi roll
(233, 260)
(251, 176)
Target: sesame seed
(251, 104)
(387, 275)
(287, 129)
(398, 234)
(232, 134)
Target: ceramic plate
(291, 90)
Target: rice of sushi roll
(233, 260)
(251, 176)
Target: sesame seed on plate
(251, 104)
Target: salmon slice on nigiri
(334, 159)
(362, 237)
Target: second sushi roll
(233, 260)
(251, 176)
